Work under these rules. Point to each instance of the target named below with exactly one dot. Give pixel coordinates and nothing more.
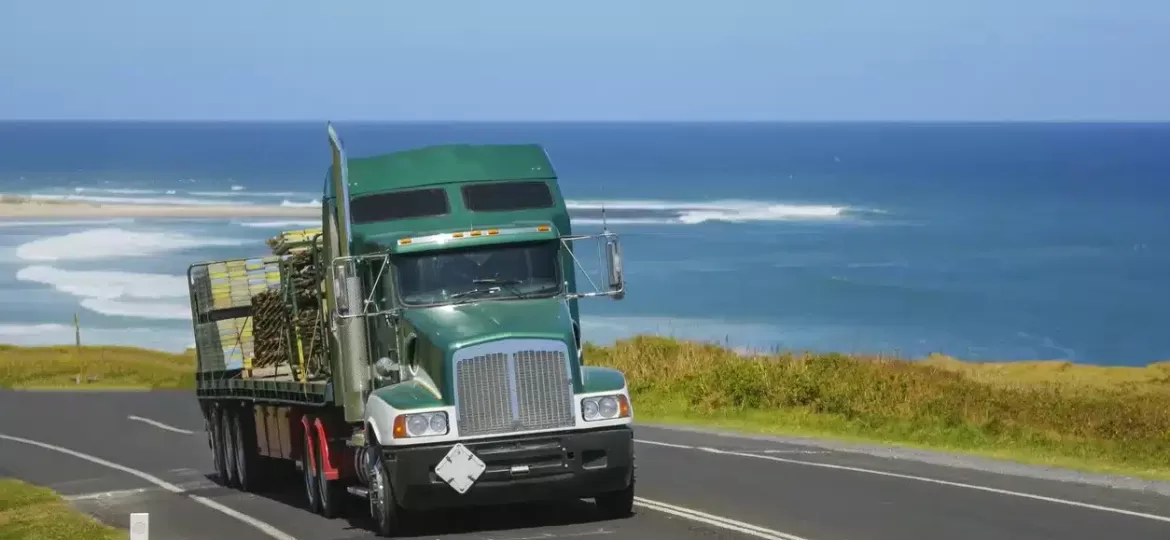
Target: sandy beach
(19, 206)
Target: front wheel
(617, 504)
(388, 516)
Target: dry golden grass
(1086, 417)
(103, 367)
(1066, 374)
(29, 512)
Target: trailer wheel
(227, 417)
(312, 493)
(248, 467)
(330, 491)
(388, 516)
(215, 441)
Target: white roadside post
(140, 526)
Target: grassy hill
(99, 367)
(1111, 419)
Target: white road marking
(987, 489)
(801, 452)
(161, 425)
(106, 494)
(550, 536)
(263, 527)
(716, 521)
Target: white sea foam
(64, 223)
(268, 194)
(129, 294)
(301, 224)
(119, 191)
(175, 201)
(293, 204)
(691, 213)
(145, 310)
(626, 221)
(114, 242)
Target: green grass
(103, 368)
(28, 512)
(1092, 418)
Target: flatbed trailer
(422, 348)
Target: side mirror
(613, 258)
(347, 289)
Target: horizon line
(564, 121)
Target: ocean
(981, 241)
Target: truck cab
(454, 333)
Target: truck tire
(312, 492)
(617, 504)
(248, 468)
(330, 491)
(215, 441)
(227, 422)
(388, 516)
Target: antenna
(604, 225)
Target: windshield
(499, 271)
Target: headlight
(605, 407)
(429, 424)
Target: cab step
(358, 491)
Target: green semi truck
(422, 348)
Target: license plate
(460, 468)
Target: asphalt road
(691, 485)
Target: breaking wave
(127, 294)
(298, 224)
(292, 204)
(115, 242)
(693, 213)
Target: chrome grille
(484, 403)
(502, 392)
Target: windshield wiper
(511, 284)
(471, 292)
(496, 281)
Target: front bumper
(567, 465)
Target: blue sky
(917, 60)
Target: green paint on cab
(452, 327)
(408, 395)
(601, 379)
(447, 164)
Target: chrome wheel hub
(377, 486)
